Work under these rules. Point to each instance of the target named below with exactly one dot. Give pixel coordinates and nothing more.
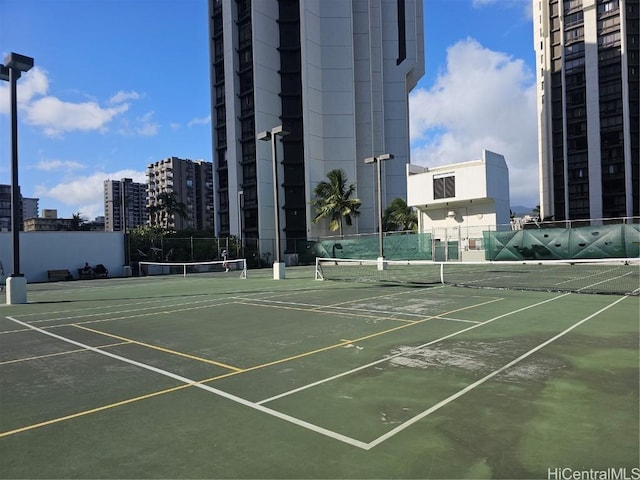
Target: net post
(442, 273)
(318, 272)
(184, 270)
(243, 274)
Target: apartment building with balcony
(588, 70)
(336, 75)
(30, 207)
(6, 210)
(191, 183)
(125, 205)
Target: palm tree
(77, 222)
(166, 207)
(399, 217)
(333, 200)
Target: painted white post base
(278, 271)
(382, 265)
(16, 290)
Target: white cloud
(123, 96)
(57, 117)
(143, 126)
(199, 121)
(148, 129)
(52, 165)
(484, 100)
(32, 83)
(86, 193)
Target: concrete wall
(481, 193)
(42, 251)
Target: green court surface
(213, 376)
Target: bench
(59, 275)
(83, 275)
(99, 271)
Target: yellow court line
(161, 349)
(365, 299)
(317, 309)
(226, 375)
(38, 357)
(366, 337)
(93, 410)
(112, 405)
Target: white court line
(145, 313)
(449, 319)
(323, 431)
(386, 359)
(467, 389)
(116, 312)
(58, 354)
(153, 301)
(195, 383)
(329, 309)
(605, 281)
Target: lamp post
(278, 266)
(377, 160)
(240, 196)
(14, 64)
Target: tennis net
(612, 276)
(188, 268)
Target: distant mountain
(520, 210)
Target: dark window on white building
(444, 186)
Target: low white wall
(42, 251)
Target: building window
(608, 7)
(609, 40)
(444, 186)
(573, 19)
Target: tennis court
(215, 376)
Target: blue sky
(122, 83)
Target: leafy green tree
(166, 207)
(399, 217)
(334, 201)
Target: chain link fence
(601, 238)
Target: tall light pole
(278, 266)
(377, 160)
(14, 64)
(240, 196)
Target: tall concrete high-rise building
(30, 207)
(190, 182)
(334, 74)
(125, 205)
(588, 107)
(6, 210)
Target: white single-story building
(457, 202)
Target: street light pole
(278, 266)
(240, 196)
(11, 71)
(377, 160)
